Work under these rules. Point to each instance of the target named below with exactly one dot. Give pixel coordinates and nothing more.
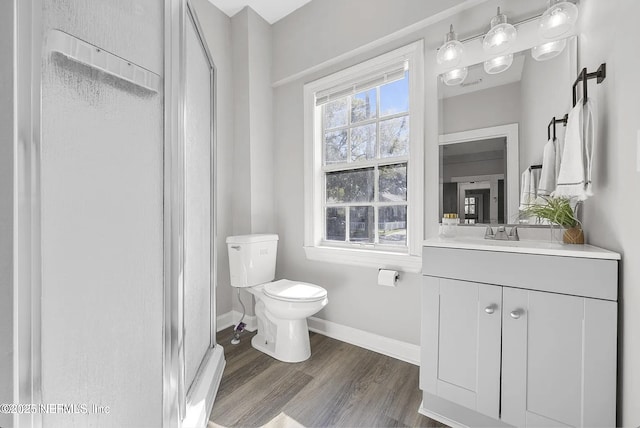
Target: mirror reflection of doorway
(472, 178)
(480, 155)
(475, 202)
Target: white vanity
(518, 333)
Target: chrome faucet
(501, 234)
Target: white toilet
(282, 306)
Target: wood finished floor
(341, 385)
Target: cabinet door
(558, 360)
(461, 343)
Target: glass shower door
(198, 220)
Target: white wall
(216, 27)
(6, 207)
(610, 33)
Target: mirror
(493, 127)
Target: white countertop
(541, 247)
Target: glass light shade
(498, 64)
(558, 19)
(450, 53)
(501, 35)
(455, 77)
(548, 50)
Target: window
(363, 150)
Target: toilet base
(291, 344)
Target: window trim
(314, 245)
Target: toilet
(282, 306)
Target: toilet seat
(294, 291)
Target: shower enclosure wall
(114, 154)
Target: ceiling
(270, 10)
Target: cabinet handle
(516, 314)
(490, 309)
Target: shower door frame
(181, 400)
(27, 280)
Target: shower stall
(114, 230)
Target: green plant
(556, 210)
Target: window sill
(366, 258)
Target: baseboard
(231, 318)
(383, 345)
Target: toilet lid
(294, 291)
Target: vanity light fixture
(450, 53)
(558, 19)
(501, 35)
(498, 64)
(548, 50)
(455, 77)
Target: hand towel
(574, 177)
(527, 189)
(548, 174)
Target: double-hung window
(364, 162)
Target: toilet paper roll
(388, 278)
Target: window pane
(394, 137)
(394, 96)
(363, 142)
(336, 224)
(335, 147)
(350, 186)
(392, 225)
(361, 224)
(393, 183)
(363, 106)
(335, 113)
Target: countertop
(542, 247)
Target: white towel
(559, 143)
(548, 173)
(527, 189)
(574, 177)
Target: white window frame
(410, 258)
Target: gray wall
(302, 41)
(322, 30)
(545, 93)
(482, 109)
(610, 34)
(241, 49)
(253, 160)
(216, 27)
(6, 207)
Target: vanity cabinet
(508, 342)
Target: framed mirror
(493, 127)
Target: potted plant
(557, 210)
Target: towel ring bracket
(553, 123)
(600, 74)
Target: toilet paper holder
(387, 277)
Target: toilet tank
(252, 259)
